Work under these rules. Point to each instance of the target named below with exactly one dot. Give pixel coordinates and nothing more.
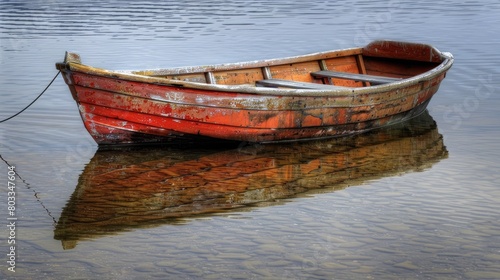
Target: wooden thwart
(356, 77)
(292, 84)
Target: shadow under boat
(143, 187)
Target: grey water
(421, 201)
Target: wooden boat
(120, 191)
(311, 96)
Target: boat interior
(345, 68)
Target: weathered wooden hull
(119, 191)
(224, 101)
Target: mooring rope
(35, 193)
(16, 114)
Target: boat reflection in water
(125, 189)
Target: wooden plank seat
(292, 84)
(376, 80)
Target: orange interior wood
(237, 77)
(300, 72)
(196, 77)
(396, 68)
(351, 62)
(344, 64)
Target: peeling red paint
(114, 105)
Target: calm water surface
(416, 201)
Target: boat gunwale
(250, 64)
(446, 62)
